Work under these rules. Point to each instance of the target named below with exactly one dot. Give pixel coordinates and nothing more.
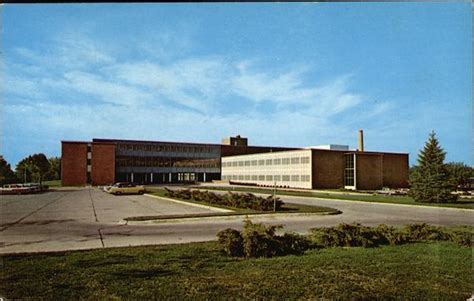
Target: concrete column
(204, 177)
(151, 177)
(170, 177)
(131, 177)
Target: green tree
(430, 181)
(460, 173)
(7, 176)
(33, 168)
(55, 169)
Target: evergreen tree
(430, 181)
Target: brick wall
(369, 169)
(103, 163)
(328, 169)
(73, 163)
(395, 170)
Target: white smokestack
(361, 141)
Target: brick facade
(395, 170)
(73, 163)
(103, 163)
(369, 169)
(328, 169)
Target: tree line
(34, 168)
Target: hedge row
(258, 240)
(236, 200)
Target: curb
(243, 216)
(189, 204)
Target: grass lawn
(424, 271)
(395, 199)
(53, 183)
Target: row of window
(167, 148)
(167, 162)
(278, 161)
(275, 178)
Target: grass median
(200, 271)
(285, 209)
(393, 199)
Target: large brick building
(103, 161)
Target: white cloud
(178, 100)
(107, 91)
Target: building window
(254, 162)
(268, 162)
(247, 177)
(285, 178)
(261, 162)
(304, 160)
(254, 177)
(305, 178)
(349, 170)
(269, 178)
(247, 163)
(295, 160)
(241, 163)
(261, 178)
(276, 177)
(276, 161)
(241, 177)
(234, 163)
(295, 178)
(285, 161)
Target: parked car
(126, 188)
(20, 188)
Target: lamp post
(274, 196)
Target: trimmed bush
(231, 241)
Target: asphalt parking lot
(72, 218)
(86, 218)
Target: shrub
(231, 241)
(391, 235)
(462, 238)
(291, 243)
(236, 200)
(260, 240)
(347, 235)
(424, 232)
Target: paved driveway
(89, 218)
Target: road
(87, 218)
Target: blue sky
(284, 74)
